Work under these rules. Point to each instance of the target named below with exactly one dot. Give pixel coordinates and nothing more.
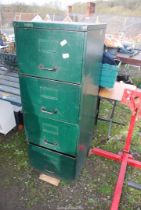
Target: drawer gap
(63, 82)
(67, 155)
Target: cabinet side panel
(91, 77)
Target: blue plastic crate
(108, 75)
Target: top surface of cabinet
(59, 25)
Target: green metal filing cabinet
(59, 79)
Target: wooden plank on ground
(49, 179)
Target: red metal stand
(133, 100)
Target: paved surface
(9, 86)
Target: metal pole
(120, 182)
(130, 133)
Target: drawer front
(52, 163)
(59, 136)
(51, 99)
(50, 53)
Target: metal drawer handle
(52, 144)
(50, 172)
(43, 109)
(42, 67)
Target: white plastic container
(7, 118)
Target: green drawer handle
(42, 67)
(52, 144)
(43, 109)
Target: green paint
(60, 66)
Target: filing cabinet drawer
(59, 136)
(52, 163)
(53, 54)
(52, 99)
